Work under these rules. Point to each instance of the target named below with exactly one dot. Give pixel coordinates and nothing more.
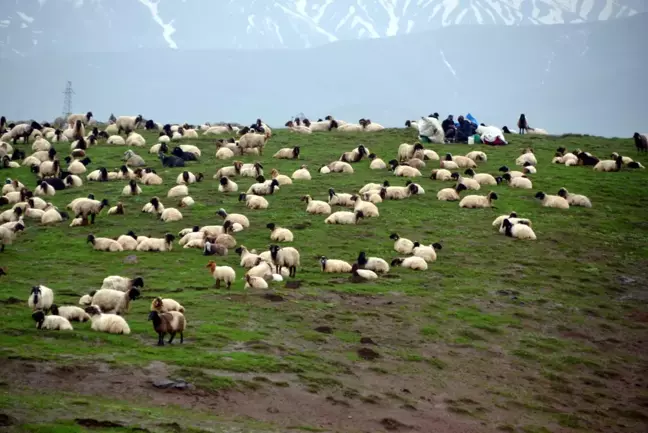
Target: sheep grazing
(52, 322)
(221, 273)
(172, 323)
(165, 305)
(554, 201)
(641, 142)
(575, 199)
(123, 284)
(41, 298)
(110, 323)
(70, 312)
(285, 257)
(478, 201)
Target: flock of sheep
(105, 307)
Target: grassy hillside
(499, 334)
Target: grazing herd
(106, 307)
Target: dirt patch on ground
(282, 406)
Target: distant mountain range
(587, 77)
(33, 27)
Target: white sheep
(123, 284)
(165, 305)
(252, 282)
(285, 257)
(115, 301)
(70, 312)
(40, 298)
(519, 230)
(554, 201)
(375, 264)
(52, 322)
(316, 207)
(110, 323)
(170, 214)
(254, 201)
(414, 262)
(227, 185)
(104, 244)
(478, 201)
(279, 234)
(221, 273)
(334, 265)
(157, 244)
(344, 217)
(575, 199)
(302, 173)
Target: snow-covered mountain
(33, 27)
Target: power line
(67, 101)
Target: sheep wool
(426, 252)
(375, 264)
(344, 217)
(575, 199)
(178, 191)
(165, 305)
(71, 313)
(285, 257)
(170, 214)
(157, 244)
(301, 174)
(478, 201)
(104, 244)
(172, 322)
(363, 274)
(114, 301)
(122, 284)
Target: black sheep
(55, 182)
(171, 161)
(187, 156)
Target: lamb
(316, 207)
(279, 234)
(52, 322)
(221, 273)
(451, 194)
(157, 244)
(575, 199)
(123, 284)
(165, 305)
(104, 244)
(518, 182)
(40, 298)
(254, 201)
(334, 265)
(252, 282)
(375, 264)
(519, 230)
(128, 123)
(132, 188)
(478, 201)
(343, 217)
(70, 312)
(286, 256)
(287, 153)
(110, 323)
(414, 262)
(376, 163)
(234, 218)
(115, 301)
(552, 200)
